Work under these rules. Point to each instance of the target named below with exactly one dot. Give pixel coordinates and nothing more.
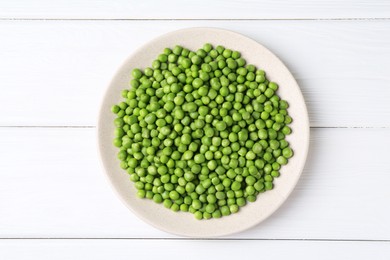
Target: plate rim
(117, 73)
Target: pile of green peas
(202, 132)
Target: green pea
(136, 73)
(268, 185)
(287, 152)
(199, 158)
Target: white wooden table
(56, 59)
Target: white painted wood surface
(194, 9)
(191, 250)
(56, 59)
(57, 71)
(54, 187)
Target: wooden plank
(201, 9)
(52, 186)
(55, 72)
(168, 249)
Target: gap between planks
(197, 19)
(92, 126)
(203, 239)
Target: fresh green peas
(201, 131)
(196, 59)
(136, 73)
(250, 155)
(286, 130)
(199, 158)
(197, 83)
(220, 126)
(287, 152)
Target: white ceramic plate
(184, 223)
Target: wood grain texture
(52, 186)
(191, 250)
(200, 9)
(55, 72)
